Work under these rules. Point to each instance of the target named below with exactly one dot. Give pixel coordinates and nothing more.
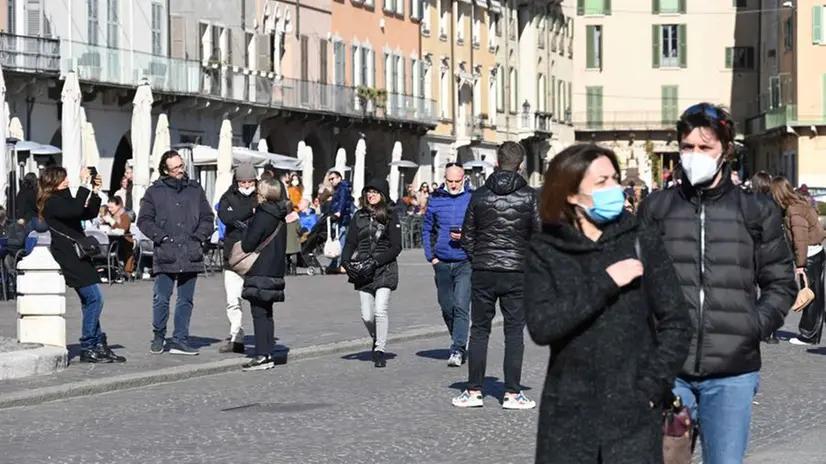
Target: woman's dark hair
(784, 194)
(762, 183)
(162, 164)
(714, 117)
(116, 200)
(564, 174)
(30, 181)
(50, 179)
(381, 210)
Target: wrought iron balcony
(623, 120)
(543, 122)
(29, 54)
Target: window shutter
(580, 7)
(33, 14)
(681, 6)
(665, 103)
(354, 51)
(403, 76)
(606, 7)
(570, 99)
(655, 6)
(729, 57)
(178, 37)
(683, 38)
(817, 24)
(589, 47)
(824, 95)
(554, 109)
(372, 68)
(656, 30)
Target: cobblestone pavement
(339, 409)
(318, 310)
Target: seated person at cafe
(119, 223)
(307, 218)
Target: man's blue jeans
(91, 305)
(164, 284)
(453, 291)
(722, 409)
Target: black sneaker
(182, 348)
(259, 363)
(157, 345)
(106, 351)
(95, 355)
(231, 347)
(772, 339)
(379, 359)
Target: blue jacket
(342, 202)
(307, 220)
(444, 211)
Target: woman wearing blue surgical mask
(602, 293)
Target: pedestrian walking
(761, 184)
(724, 241)
(73, 251)
(235, 210)
(602, 293)
(176, 216)
(442, 232)
(373, 243)
(341, 206)
(501, 218)
(264, 282)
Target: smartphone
(455, 230)
(93, 173)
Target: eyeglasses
(178, 167)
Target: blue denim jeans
(722, 409)
(164, 284)
(91, 305)
(453, 292)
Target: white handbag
(332, 249)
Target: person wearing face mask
(235, 210)
(602, 293)
(726, 243)
(294, 190)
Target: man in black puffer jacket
(725, 242)
(499, 222)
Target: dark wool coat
(64, 213)
(265, 280)
(613, 350)
(235, 206)
(179, 211)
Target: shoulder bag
(332, 249)
(85, 248)
(360, 269)
(240, 262)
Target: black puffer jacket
(499, 222)
(726, 242)
(235, 206)
(265, 279)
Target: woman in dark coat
(264, 283)
(26, 201)
(602, 293)
(374, 240)
(63, 214)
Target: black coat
(607, 359)
(26, 204)
(64, 214)
(499, 222)
(234, 206)
(722, 228)
(362, 235)
(265, 280)
(176, 216)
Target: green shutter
(656, 30)
(589, 47)
(580, 7)
(729, 57)
(665, 93)
(606, 7)
(824, 96)
(681, 4)
(598, 107)
(817, 24)
(373, 69)
(655, 6)
(683, 38)
(675, 105)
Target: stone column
(41, 301)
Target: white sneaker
(797, 341)
(455, 359)
(520, 401)
(466, 400)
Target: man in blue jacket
(442, 234)
(342, 206)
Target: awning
(203, 155)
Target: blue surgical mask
(608, 204)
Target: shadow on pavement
(366, 356)
(434, 354)
(74, 350)
(492, 386)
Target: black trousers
(811, 322)
(264, 327)
(488, 287)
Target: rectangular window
(497, 24)
(11, 15)
(444, 9)
(513, 103)
(669, 6)
(460, 24)
(157, 29)
(593, 7)
(354, 59)
(817, 24)
(788, 34)
(338, 63)
(670, 105)
(92, 24)
(425, 16)
(593, 104)
(593, 47)
(364, 67)
(322, 63)
(500, 90)
(416, 9)
(774, 92)
(669, 46)
(400, 7)
(569, 102)
(740, 58)
(112, 28)
(305, 69)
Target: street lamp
(526, 112)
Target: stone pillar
(41, 301)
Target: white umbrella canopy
(223, 178)
(305, 155)
(16, 128)
(396, 155)
(5, 165)
(91, 153)
(161, 145)
(358, 167)
(341, 160)
(262, 146)
(141, 140)
(70, 128)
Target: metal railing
(543, 122)
(624, 120)
(29, 54)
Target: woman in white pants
(374, 241)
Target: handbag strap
(62, 234)
(268, 239)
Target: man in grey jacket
(176, 216)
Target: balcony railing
(177, 76)
(623, 120)
(543, 122)
(29, 54)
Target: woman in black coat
(264, 283)
(63, 214)
(602, 293)
(373, 242)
